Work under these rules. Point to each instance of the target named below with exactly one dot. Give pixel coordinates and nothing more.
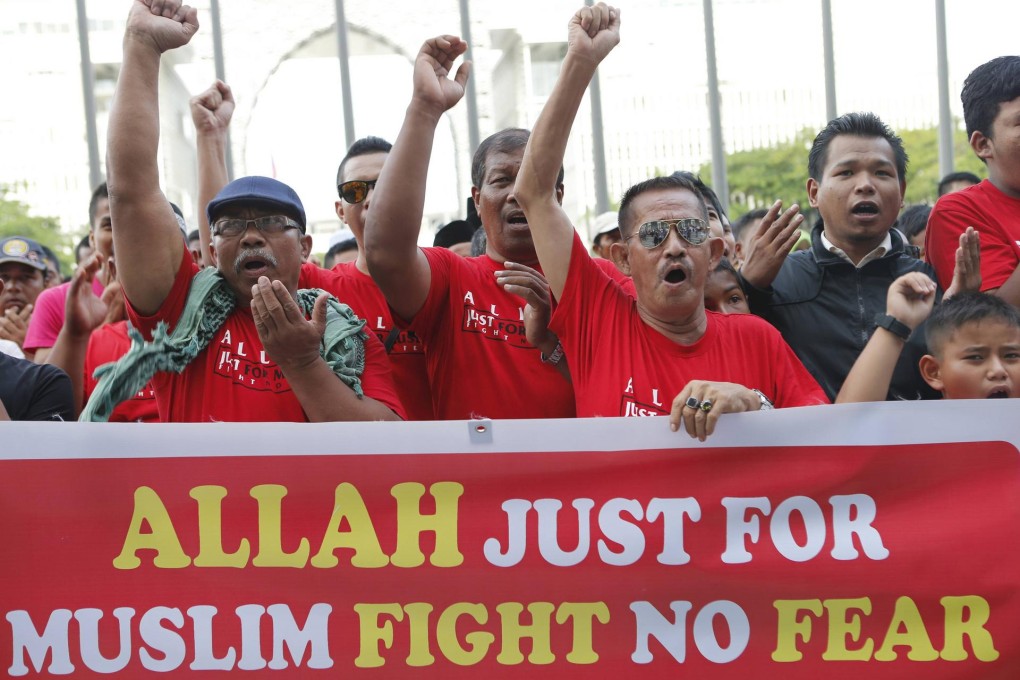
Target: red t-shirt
(233, 379)
(109, 343)
(621, 366)
(406, 352)
(480, 364)
(993, 214)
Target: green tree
(15, 221)
(759, 176)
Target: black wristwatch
(893, 325)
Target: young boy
(723, 293)
(991, 111)
(974, 340)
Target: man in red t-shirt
(991, 110)
(262, 362)
(661, 353)
(483, 319)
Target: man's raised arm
(211, 112)
(391, 231)
(592, 33)
(146, 237)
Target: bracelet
(766, 403)
(893, 325)
(554, 357)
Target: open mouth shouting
(675, 274)
(865, 210)
(516, 218)
(254, 262)
(1000, 392)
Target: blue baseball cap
(261, 192)
(24, 251)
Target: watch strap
(893, 325)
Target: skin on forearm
(212, 176)
(535, 190)
(1010, 289)
(325, 398)
(397, 266)
(68, 354)
(146, 237)
(4, 416)
(871, 375)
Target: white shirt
(878, 252)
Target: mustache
(254, 253)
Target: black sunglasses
(356, 190)
(653, 234)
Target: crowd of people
(673, 311)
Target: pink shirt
(48, 316)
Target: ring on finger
(706, 405)
(693, 402)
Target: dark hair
(504, 141)
(913, 220)
(745, 221)
(478, 243)
(100, 192)
(673, 181)
(193, 235)
(954, 177)
(50, 256)
(860, 125)
(362, 147)
(342, 247)
(725, 266)
(458, 231)
(963, 309)
(83, 243)
(987, 86)
(706, 191)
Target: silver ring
(693, 402)
(706, 405)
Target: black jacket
(825, 309)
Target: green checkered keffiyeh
(210, 302)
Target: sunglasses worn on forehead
(356, 190)
(653, 234)
(228, 227)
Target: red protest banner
(797, 560)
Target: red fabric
(620, 366)
(480, 364)
(407, 354)
(233, 379)
(993, 214)
(109, 343)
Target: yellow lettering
(162, 538)
(789, 627)
(361, 538)
(271, 553)
(581, 614)
(973, 627)
(478, 641)
(914, 634)
(411, 523)
(372, 633)
(210, 531)
(418, 618)
(840, 628)
(513, 631)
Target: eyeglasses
(356, 190)
(653, 234)
(229, 227)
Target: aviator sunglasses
(356, 190)
(653, 234)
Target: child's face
(980, 360)
(723, 294)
